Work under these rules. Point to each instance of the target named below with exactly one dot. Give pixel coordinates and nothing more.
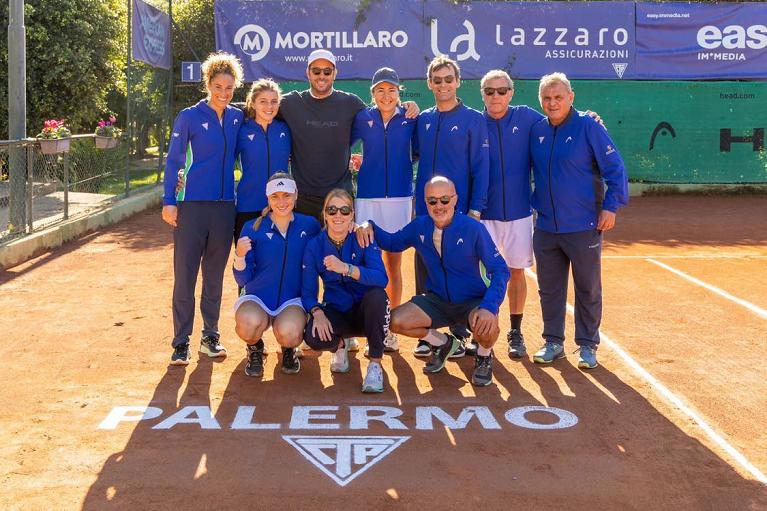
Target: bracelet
(315, 308)
(349, 270)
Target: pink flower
(112, 119)
(102, 124)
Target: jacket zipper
(442, 263)
(268, 153)
(386, 157)
(551, 193)
(436, 142)
(223, 158)
(503, 169)
(284, 260)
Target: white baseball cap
(322, 54)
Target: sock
(516, 321)
(484, 352)
(435, 337)
(259, 345)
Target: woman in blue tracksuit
(267, 265)
(354, 299)
(263, 147)
(202, 146)
(385, 180)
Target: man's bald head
(439, 186)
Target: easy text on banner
(151, 35)
(696, 41)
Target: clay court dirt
(88, 329)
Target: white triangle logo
(421, 236)
(620, 68)
(370, 123)
(251, 136)
(428, 125)
(269, 235)
(540, 139)
(205, 125)
(344, 458)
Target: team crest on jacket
(540, 140)
(269, 235)
(282, 134)
(568, 139)
(236, 121)
(421, 236)
(205, 125)
(303, 233)
(460, 240)
(251, 136)
(370, 123)
(428, 125)
(610, 150)
(454, 128)
(514, 129)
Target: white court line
(677, 402)
(724, 294)
(724, 255)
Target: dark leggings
(369, 317)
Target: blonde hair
(441, 61)
(551, 79)
(496, 73)
(258, 87)
(221, 63)
(268, 208)
(336, 193)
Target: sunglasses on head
(436, 80)
(489, 91)
(344, 210)
(327, 71)
(445, 199)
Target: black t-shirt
(321, 131)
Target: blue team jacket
(572, 163)
(508, 196)
(273, 264)
(470, 267)
(453, 144)
(339, 291)
(387, 165)
(204, 149)
(262, 153)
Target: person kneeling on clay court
(354, 299)
(267, 265)
(465, 284)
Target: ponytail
(260, 219)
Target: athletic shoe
(180, 355)
(391, 344)
(461, 350)
(588, 357)
(211, 347)
(550, 352)
(471, 347)
(290, 362)
(255, 365)
(300, 350)
(422, 349)
(441, 354)
(339, 361)
(483, 370)
(374, 379)
(353, 343)
(516, 340)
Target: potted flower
(55, 137)
(107, 133)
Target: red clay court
(672, 419)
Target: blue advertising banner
(530, 39)
(150, 35)
(273, 38)
(699, 41)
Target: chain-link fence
(45, 182)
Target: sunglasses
(489, 91)
(344, 210)
(445, 199)
(327, 71)
(436, 80)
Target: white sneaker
(422, 349)
(391, 344)
(353, 343)
(374, 380)
(339, 361)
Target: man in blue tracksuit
(508, 215)
(465, 283)
(451, 140)
(580, 183)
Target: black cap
(385, 74)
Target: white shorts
(391, 214)
(272, 313)
(514, 240)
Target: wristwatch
(349, 270)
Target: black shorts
(444, 313)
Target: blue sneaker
(588, 357)
(550, 352)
